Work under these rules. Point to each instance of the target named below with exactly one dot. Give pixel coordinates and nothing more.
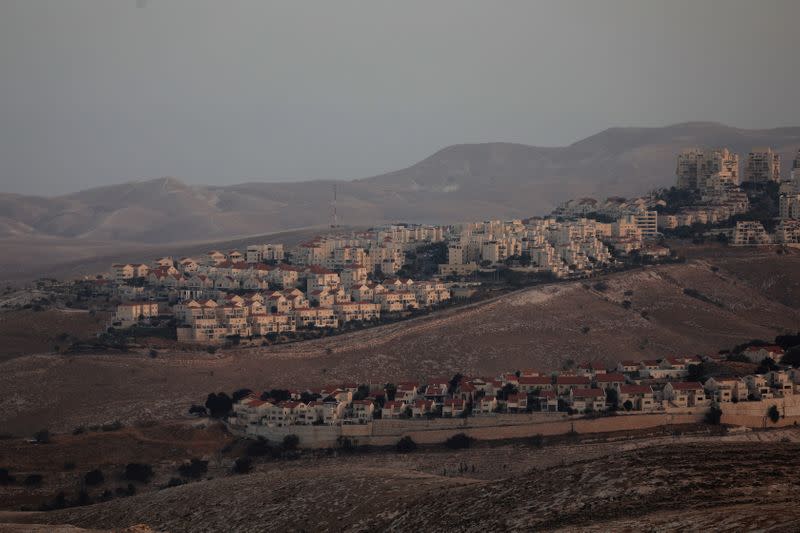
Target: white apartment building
(750, 233)
(258, 253)
(707, 169)
(763, 165)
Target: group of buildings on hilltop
(325, 283)
(553, 245)
(632, 386)
(714, 174)
(711, 170)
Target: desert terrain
(541, 327)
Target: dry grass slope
(535, 328)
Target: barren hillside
(540, 327)
(728, 483)
(456, 183)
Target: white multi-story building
(763, 165)
(707, 169)
(750, 233)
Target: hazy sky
(103, 91)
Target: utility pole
(334, 214)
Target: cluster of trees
(219, 405)
(194, 469)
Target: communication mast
(334, 215)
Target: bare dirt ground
(64, 461)
(26, 331)
(726, 482)
(540, 328)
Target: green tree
(773, 414)
(219, 405)
(612, 398)
(792, 357)
(291, 442)
(391, 391)
(713, 415)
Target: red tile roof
(588, 393)
(572, 380)
(535, 380)
(609, 378)
(686, 385)
(635, 389)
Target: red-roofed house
(485, 405)
(565, 383)
(453, 407)
(628, 366)
(393, 409)
(641, 397)
(756, 354)
(547, 400)
(685, 394)
(517, 402)
(609, 380)
(535, 383)
(362, 410)
(590, 369)
(583, 400)
(422, 408)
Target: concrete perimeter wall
(754, 414)
(510, 426)
(388, 432)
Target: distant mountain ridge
(459, 182)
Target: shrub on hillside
(259, 448)
(458, 441)
(174, 482)
(93, 477)
(242, 465)
(406, 445)
(138, 472)
(116, 425)
(5, 477)
(193, 469)
(291, 442)
(239, 394)
(197, 410)
(33, 480)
